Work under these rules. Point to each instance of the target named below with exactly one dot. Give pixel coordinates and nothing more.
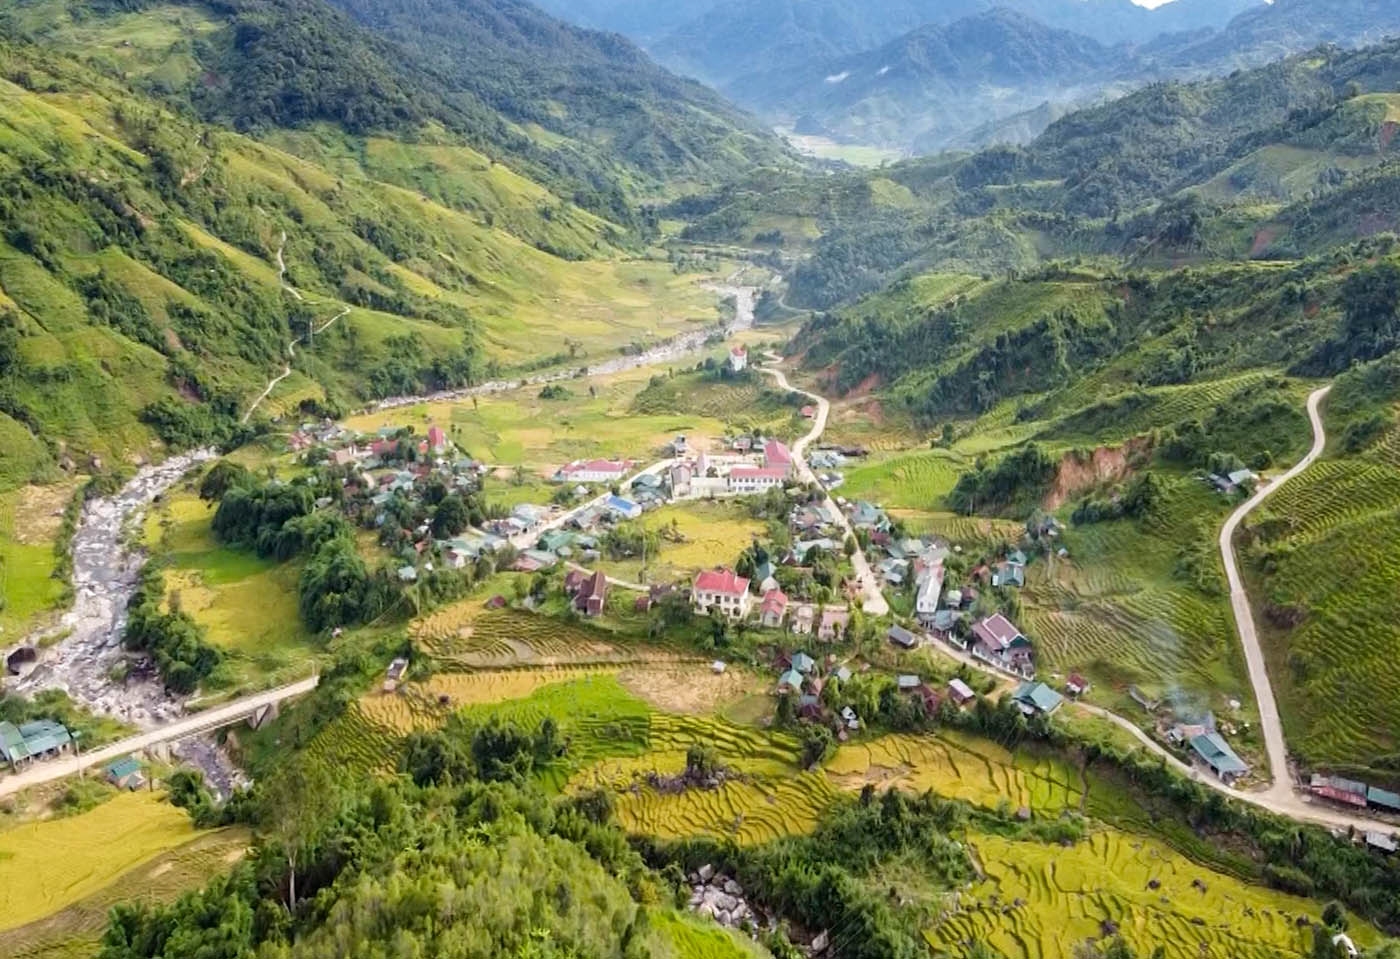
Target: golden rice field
(466, 635)
(1039, 900)
(74, 931)
(977, 771)
(707, 534)
(749, 812)
(48, 865)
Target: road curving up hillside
(1269, 721)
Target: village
(774, 591)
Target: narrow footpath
(292, 343)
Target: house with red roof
(777, 456)
(773, 610)
(738, 359)
(722, 591)
(437, 439)
(755, 479)
(592, 595)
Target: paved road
(1274, 746)
(872, 600)
(528, 538)
(1288, 803)
(203, 722)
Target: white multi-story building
(722, 591)
(755, 479)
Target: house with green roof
(1037, 699)
(39, 739)
(1217, 755)
(125, 773)
(12, 748)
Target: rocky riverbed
(83, 649)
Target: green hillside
(1132, 386)
(585, 114)
(1323, 567)
(1230, 169)
(138, 265)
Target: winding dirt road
(1269, 721)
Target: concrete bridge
(256, 709)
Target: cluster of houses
(722, 592)
(750, 470)
(40, 739)
(800, 675)
(1353, 793)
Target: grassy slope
(457, 249)
(1322, 554)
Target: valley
(467, 490)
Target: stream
(86, 644)
(82, 651)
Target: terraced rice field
(1331, 536)
(917, 480)
(466, 635)
(354, 744)
(1119, 610)
(749, 812)
(74, 932)
(959, 768)
(1084, 418)
(1038, 901)
(48, 865)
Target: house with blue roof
(803, 663)
(624, 508)
(790, 682)
(1215, 753)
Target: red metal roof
(756, 472)
(996, 631)
(721, 581)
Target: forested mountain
(1266, 33)
(143, 239)
(496, 73)
(919, 76)
(641, 20)
(733, 37)
(1211, 169)
(936, 85)
(957, 85)
(594, 88)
